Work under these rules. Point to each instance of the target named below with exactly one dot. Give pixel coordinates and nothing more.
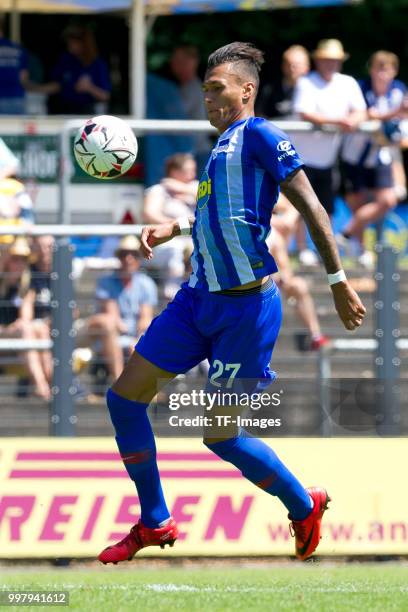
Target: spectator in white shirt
(326, 97)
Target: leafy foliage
(363, 29)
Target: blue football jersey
(236, 194)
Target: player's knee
(134, 390)
(125, 414)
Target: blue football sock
(259, 464)
(135, 440)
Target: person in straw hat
(14, 285)
(126, 302)
(326, 97)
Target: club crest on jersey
(204, 191)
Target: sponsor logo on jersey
(204, 190)
(285, 147)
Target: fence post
(387, 330)
(324, 366)
(62, 417)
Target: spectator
(14, 285)
(127, 299)
(367, 165)
(173, 197)
(13, 75)
(296, 287)
(9, 163)
(80, 82)
(16, 207)
(38, 299)
(36, 305)
(326, 97)
(283, 225)
(276, 99)
(163, 102)
(184, 62)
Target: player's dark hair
(247, 58)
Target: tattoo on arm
(299, 192)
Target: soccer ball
(105, 147)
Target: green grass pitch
(268, 587)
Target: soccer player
(229, 312)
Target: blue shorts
(236, 334)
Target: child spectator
(368, 165)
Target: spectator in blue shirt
(368, 165)
(127, 299)
(80, 80)
(13, 75)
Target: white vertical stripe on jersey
(259, 176)
(193, 280)
(226, 214)
(209, 270)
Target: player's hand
(153, 235)
(348, 305)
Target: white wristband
(184, 225)
(337, 277)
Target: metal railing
(385, 343)
(63, 417)
(160, 126)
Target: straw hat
(330, 48)
(128, 243)
(20, 248)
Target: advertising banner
(72, 497)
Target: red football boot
(307, 532)
(139, 537)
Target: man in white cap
(326, 97)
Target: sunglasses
(123, 254)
